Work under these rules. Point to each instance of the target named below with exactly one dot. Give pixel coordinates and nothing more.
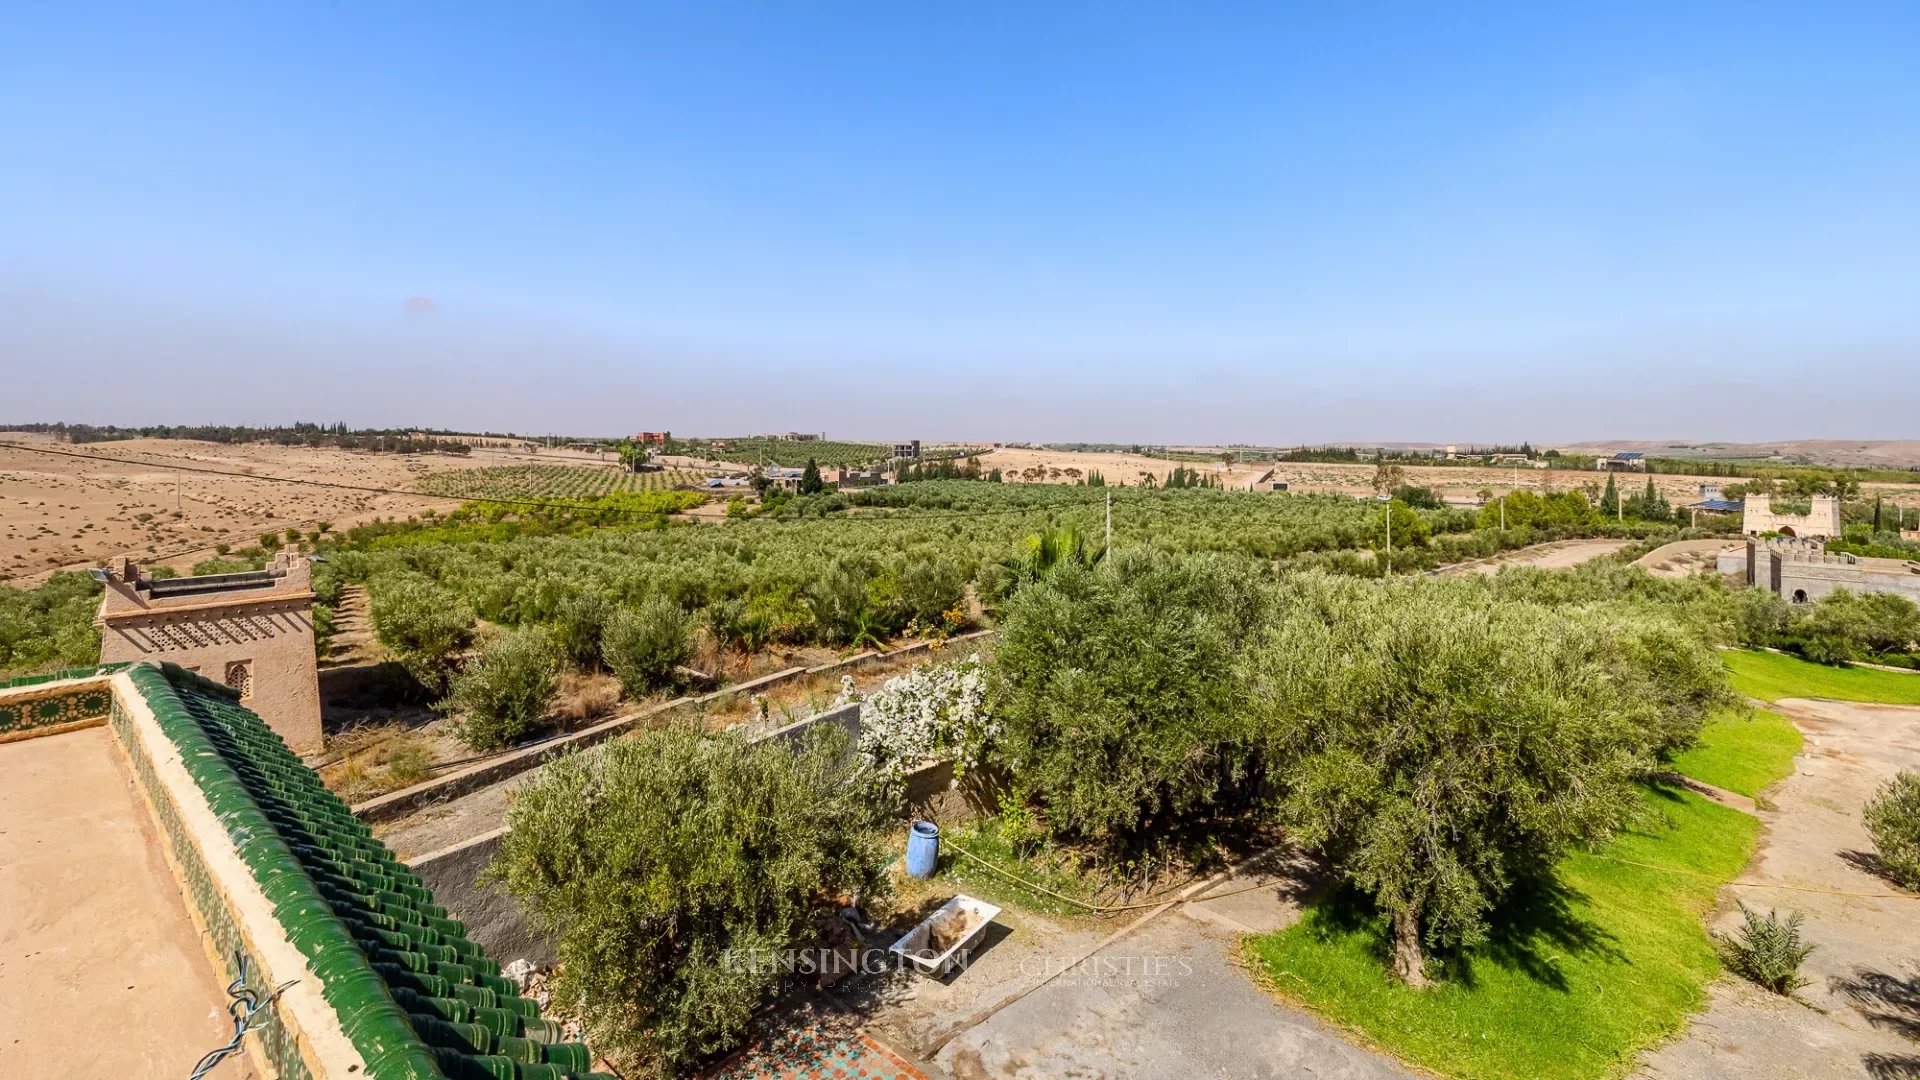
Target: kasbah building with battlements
(1786, 555)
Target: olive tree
(1118, 692)
(673, 870)
(642, 645)
(506, 688)
(1441, 746)
(426, 627)
(1893, 820)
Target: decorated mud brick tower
(251, 631)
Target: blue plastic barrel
(923, 849)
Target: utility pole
(1389, 537)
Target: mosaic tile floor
(816, 1047)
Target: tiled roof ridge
(60, 676)
(416, 998)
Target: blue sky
(1171, 223)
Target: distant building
(859, 478)
(653, 438)
(785, 479)
(907, 449)
(251, 631)
(1625, 461)
(1822, 521)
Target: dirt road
(1558, 555)
(1860, 1016)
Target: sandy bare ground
(1872, 453)
(1860, 1016)
(1125, 470)
(1558, 555)
(1684, 558)
(66, 513)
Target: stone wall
(1802, 572)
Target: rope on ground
(1098, 909)
(243, 1008)
(1763, 884)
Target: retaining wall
(495, 919)
(400, 803)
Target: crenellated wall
(1823, 520)
(1802, 571)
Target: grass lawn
(1572, 987)
(1743, 753)
(1772, 676)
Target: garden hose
(1097, 909)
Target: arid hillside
(69, 513)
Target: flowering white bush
(933, 711)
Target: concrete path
(1160, 999)
(1165, 1003)
(1860, 1016)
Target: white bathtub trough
(933, 945)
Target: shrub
(1893, 820)
(424, 625)
(643, 645)
(1766, 950)
(1760, 618)
(839, 598)
(409, 762)
(220, 566)
(578, 623)
(1117, 691)
(932, 587)
(50, 626)
(506, 688)
(270, 541)
(672, 869)
(933, 711)
(1440, 748)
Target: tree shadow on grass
(1527, 933)
(1531, 930)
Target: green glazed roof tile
(417, 998)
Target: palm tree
(1044, 550)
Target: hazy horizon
(1073, 224)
